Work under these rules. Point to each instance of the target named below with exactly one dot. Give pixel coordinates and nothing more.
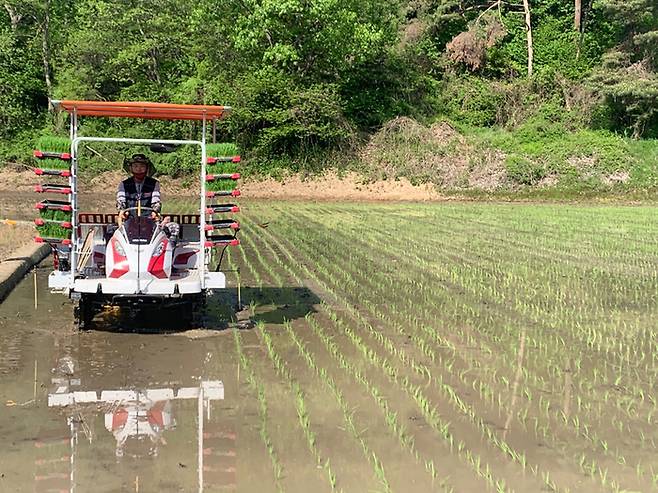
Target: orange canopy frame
(139, 109)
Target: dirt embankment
(18, 263)
(436, 154)
(329, 186)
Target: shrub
(471, 100)
(277, 119)
(523, 171)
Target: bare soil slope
(330, 186)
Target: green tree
(127, 50)
(314, 40)
(628, 78)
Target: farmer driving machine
(102, 260)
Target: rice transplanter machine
(100, 260)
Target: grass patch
(541, 153)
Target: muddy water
(112, 410)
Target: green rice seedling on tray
(222, 149)
(223, 168)
(221, 185)
(53, 230)
(55, 215)
(55, 145)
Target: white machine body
(139, 250)
(140, 259)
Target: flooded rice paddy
(408, 348)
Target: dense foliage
(310, 78)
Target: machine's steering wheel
(148, 209)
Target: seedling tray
(55, 210)
(219, 208)
(223, 193)
(53, 188)
(222, 224)
(53, 230)
(213, 240)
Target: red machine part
(223, 176)
(52, 189)
(156, 264)
(229, 225)
(61, 207)
(183, 258)
(64, 156)
(228, 193)
(40, 171)
(120, 260)
(223, 159)
(64, 224)
(228, 208)
(98, 259)
(39, 239)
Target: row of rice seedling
(423, 370)
(390, 417)
(595, 370)
(279, 435)
(417, 395)
(348, 414)
(300, 405)
(547, 376)
(257, 387)
(482, 469)
(370, 455)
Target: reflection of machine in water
(141, 422)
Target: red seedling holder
(52, 172)
(210, 244)
(64, 190)
(54, 205)
(64, 224)
(223, 159)
(223, 193)
(219, 208)
(63, 241)
(64, 156)
(223, 224)
(223, 176)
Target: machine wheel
(83, 314)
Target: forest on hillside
(315, 78)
